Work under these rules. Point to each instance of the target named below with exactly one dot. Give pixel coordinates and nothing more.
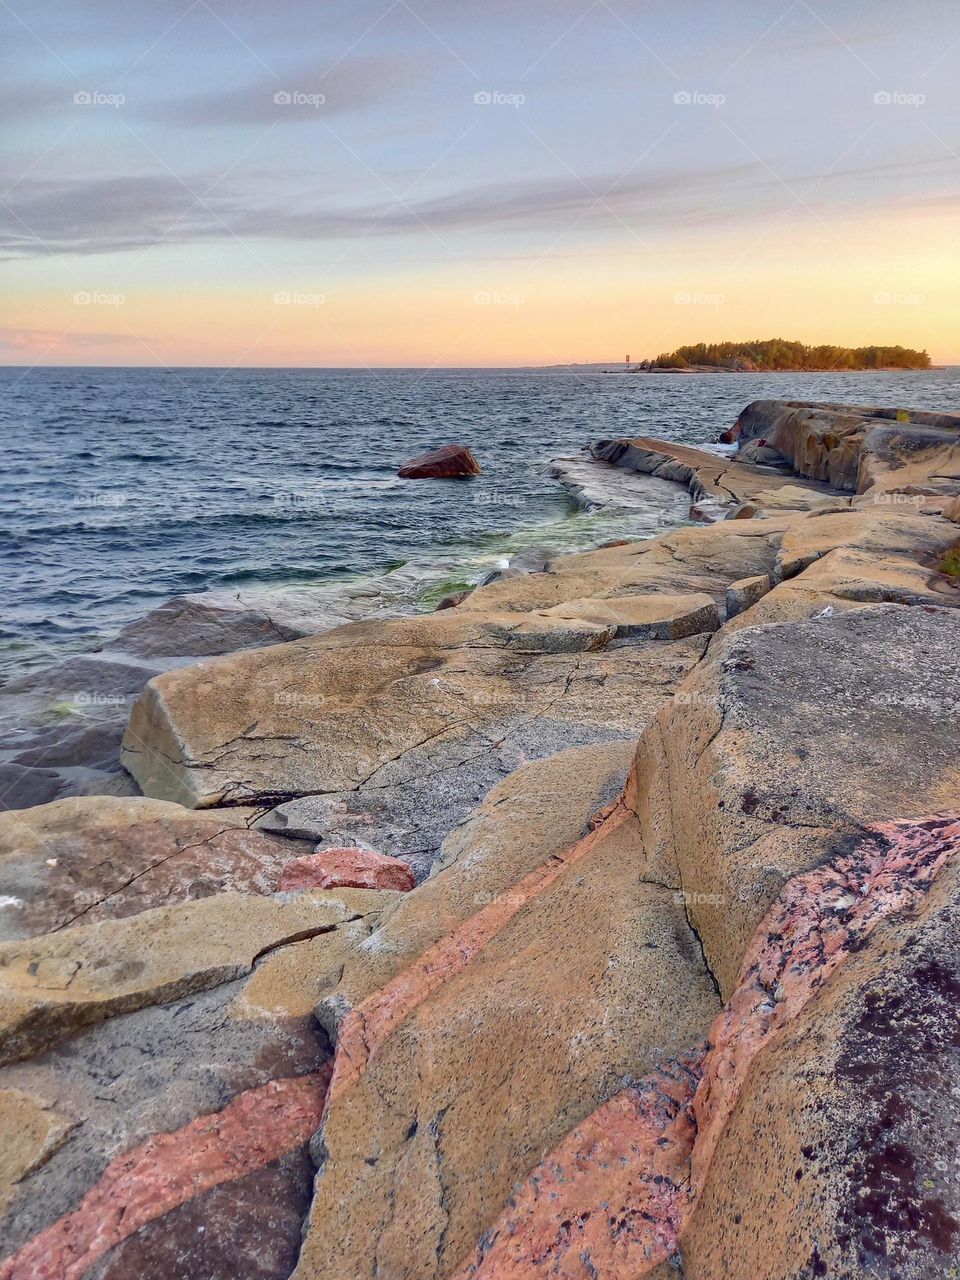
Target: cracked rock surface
(374, 729)
(785, 734)
(87, 859)
(462, 1072)
(54, 984)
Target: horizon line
(936, 366)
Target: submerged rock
(652, 504)
(451, 462)
(192, 628)
(61, 726)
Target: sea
(124, 487)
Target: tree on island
(778, 353)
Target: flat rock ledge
(793, 455)
(605, 924)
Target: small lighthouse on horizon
(628, 360)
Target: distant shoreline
(713, 368)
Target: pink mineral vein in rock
(608, 1201)
(346, 869)
(255, 1129)
(614, 1197)
(819, 919)
(367, 1026)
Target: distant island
(762, 355)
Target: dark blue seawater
(123, 487)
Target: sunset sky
(474, 182)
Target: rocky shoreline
(674, 992)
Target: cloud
(97, 215)
(102, 215)
(301, 94)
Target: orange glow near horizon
(583, 309)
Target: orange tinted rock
(450, 462)
(615, 1196)
(368, 1026)
(466, 1070)
(346, 869)
(609, 1200)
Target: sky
(474, 182)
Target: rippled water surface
(123, 487)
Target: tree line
(779, 353)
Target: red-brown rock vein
(609, 1200)
(346, 868)
(819, 919)
(367, 1026)
(613, 1198)
(256, 1128)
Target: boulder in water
(451, 462)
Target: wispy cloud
(103, 215)
(300, 93)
